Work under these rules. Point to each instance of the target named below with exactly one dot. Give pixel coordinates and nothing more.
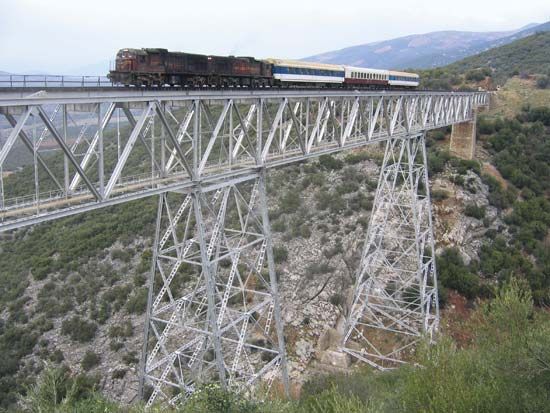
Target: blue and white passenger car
(292, 71)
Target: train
(160, 67)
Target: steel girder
(396, 287)
(111, 149)
(213, 312)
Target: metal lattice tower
(395, 295)
(213, 310)
(213, 313)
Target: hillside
(529, 56)
(424, 50)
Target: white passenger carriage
(363, 76)
(290, 71)
(403, 79)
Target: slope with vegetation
(504, 368)
(525, 57)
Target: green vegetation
(524, 57)
(90, 360)
(78, 329)
(504, 368)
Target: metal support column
(214, 313)
(395, 302)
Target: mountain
(422, 51)
(100, 68)
(529, 55)
(524, 57)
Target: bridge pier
(463, 139)
(395, 300)
(213, 312)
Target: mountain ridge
(427, 50)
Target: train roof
(302, 64)
(409, 74)
(367, 69)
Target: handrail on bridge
(28, 81)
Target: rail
(52, 81)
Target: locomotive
(159, 67)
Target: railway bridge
(204, 155)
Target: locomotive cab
(125, 60)
(125, 65)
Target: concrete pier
(463, 139)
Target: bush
(130, 358)
(137, 302)
(438, 135)
(543, 82)
(454, 274)
(330, 163)
(317, 268)
(474, 211)
(121, 330)
(439, 195)
(90, 360)
(79, 329)
(290, 202)
(356, 157)
(120, 254)
(280, 254)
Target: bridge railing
(46, 81)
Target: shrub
(438, 135)
(305, 231)
(474, 211)
(439, 195)
(330, 163)
(121, 330)
(454, 274)
(79, 329)
(130, 358)
(120, 254)
(290, 202)
(137, 302)
(356, 157)
(317, 268)
(280, 254)
(90, 360)
(119, 374)
(543, 82)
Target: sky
(64, 36)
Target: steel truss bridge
(213, 312)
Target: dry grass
(514, 94)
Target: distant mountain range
(95, 69)
(422, 51)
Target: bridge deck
(96, 148)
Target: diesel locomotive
(159, 67)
